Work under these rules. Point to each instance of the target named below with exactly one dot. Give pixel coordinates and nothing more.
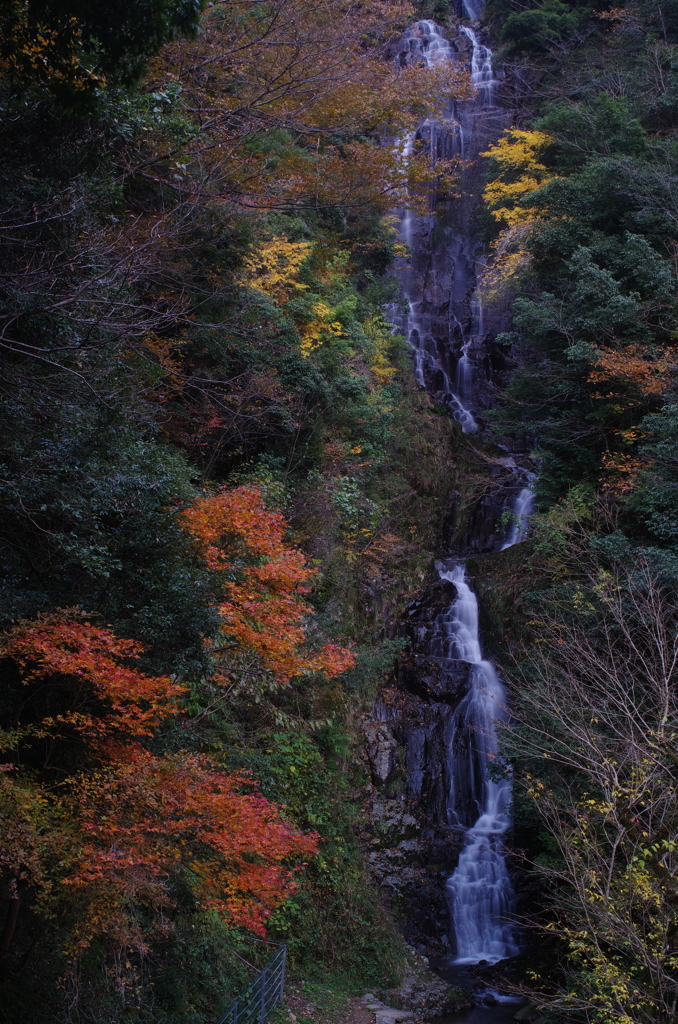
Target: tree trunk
(12, 916)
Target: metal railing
(254, 1004)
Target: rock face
(477, 525)
(407, 745)
(421, 995)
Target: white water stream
(480, 893)
(521, 510)
(424, 42)
(482, 75)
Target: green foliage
(543, 27)
(73, 49)
(141, 366)
(586, 612)
(603, 126)
(335, 909)
(89, 507)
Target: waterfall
(473, 8)
(479, 891)
(424, 42)
(482, 75)
(521, 510)
(444, 326)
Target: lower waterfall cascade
(479, 891)
(444, 327)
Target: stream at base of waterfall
(479, 891)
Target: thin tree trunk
(12, 917)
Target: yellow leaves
(517, 150)
(51, 54)
(379, 333)
(274, 268)
(509, 259)
(521, 173)
(316, 330)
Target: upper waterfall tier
(482, 74)
(442, 317)
(425, 41)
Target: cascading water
(479, 891)
(482, 75)
(473, 8)
(443, 350)
(424, 42)
(521, 510)
(445, 327)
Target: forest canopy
(580, 197)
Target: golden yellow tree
(521, 173)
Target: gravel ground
(298, 1010)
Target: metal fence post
(262, 1016)
(282, 972)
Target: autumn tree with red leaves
(98, 824)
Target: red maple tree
(114, 824)
(263, 582)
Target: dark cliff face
(408, 743)
(475, 523)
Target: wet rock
(381, 746)
(423, 993)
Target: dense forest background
(220, 484)
(580, 200)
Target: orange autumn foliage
(263, 609)
(115, 828)
(622, 471)
(163, 816)
(94, 660)
(648, 375)
(305, 71)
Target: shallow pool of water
(500, 1013)
(502, 1005)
